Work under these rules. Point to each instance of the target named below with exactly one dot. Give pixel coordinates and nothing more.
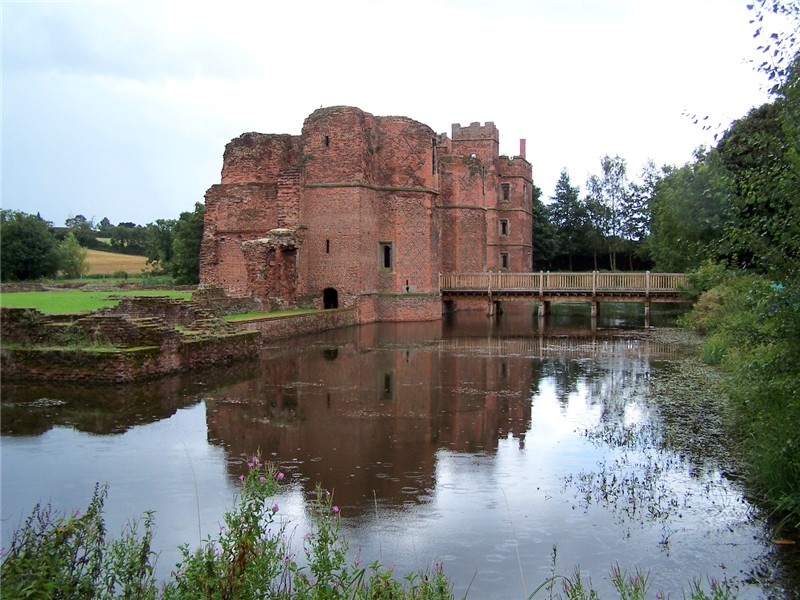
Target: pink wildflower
(274, 508)
(241, 477)
(335, 509)
(280, 476)
(262, 479)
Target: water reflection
(481, 443)
(364, 411)
(34, 408)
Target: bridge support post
(647, 313)
(495, 307)
(543, 308)
(595, 309)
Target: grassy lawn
(70, 301)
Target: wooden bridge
(594, 287)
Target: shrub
(70, 557)
(753, 327)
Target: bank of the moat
(142, 338)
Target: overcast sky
(123, 109)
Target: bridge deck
(594, 286)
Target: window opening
(387, 385)
(327, 246)
(504, 227)
(386, 262)
(327, 141)
(506, 188)
(504, 260)
(433, 155)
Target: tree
(84, 232)
(187, 235)
(597, 218)
(544, 233)
(760, 152)
(129, 238)
(609, 190)
(76, 221)
(569, 218)
(28, 247)
(104, 227)
(636, 211)
(72, 257)
(687, 214)
(159, 242)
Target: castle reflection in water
(364, 411)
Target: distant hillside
(106, 263)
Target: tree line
(606, 228)
(33, 248)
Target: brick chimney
(522, 148)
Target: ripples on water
(483, 444)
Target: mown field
(106, 263)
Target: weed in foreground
(251, 557)
(70, 557)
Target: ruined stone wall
(462, 214)
(171, 310)
(271, 265)
(114, 348)
(234, 213)
(259, 158)
(340, 247)
(409, 221)
(337, 146)
(405, 151)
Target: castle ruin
(365, 212)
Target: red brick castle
(365, 212)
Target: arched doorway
(330, 298)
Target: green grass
(276, 313)
(72, 301)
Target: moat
(482, 444)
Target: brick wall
(274, 328)
(409, 307)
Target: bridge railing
(594, 282)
